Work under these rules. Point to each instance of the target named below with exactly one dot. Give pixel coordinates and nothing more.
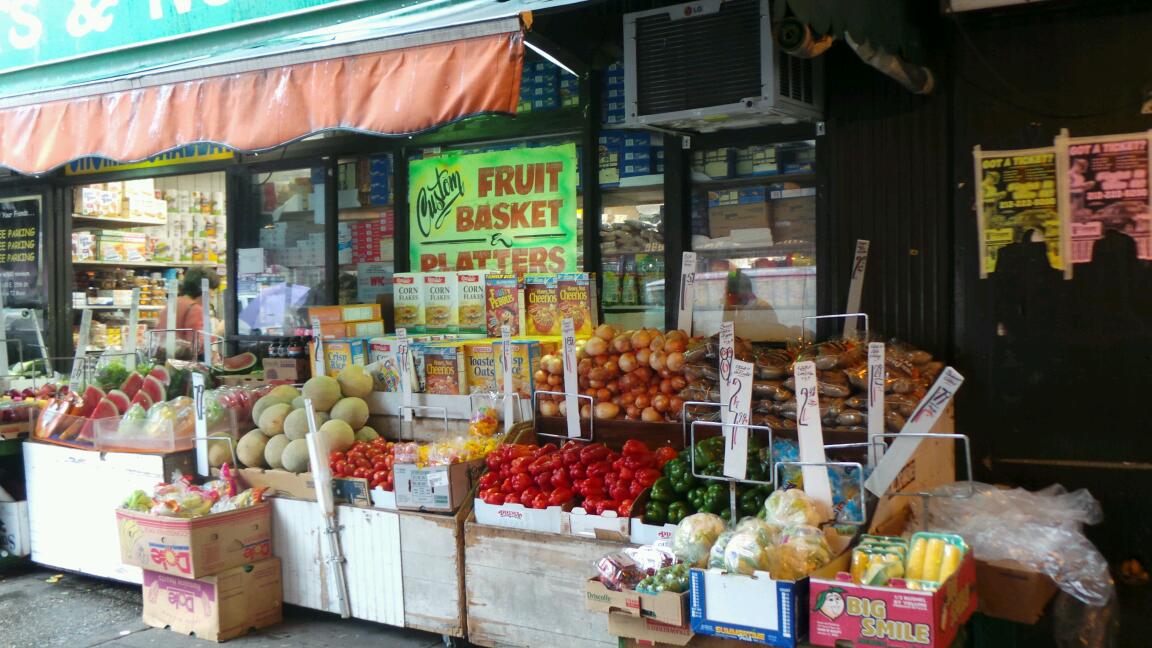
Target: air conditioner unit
(712, 64)
(958, 6)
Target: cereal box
(384, 365)
(503, 303)
(525, 358)
(471, 292)
(444, 369)
(408, 295)
(441, 305)
(342, 353)
(480, 360)
(575, 293)
(540, 300)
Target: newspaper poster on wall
(1016, 201)
(1105, 188)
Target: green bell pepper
(696, 498)
(709, 450)
(677, 511)
(726, 514)
(655, 513)
(715, 498)
(751, 501)
(662, 490)
(680, 473)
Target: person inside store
(189, 316)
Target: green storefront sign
(511, 211)
(35, 32)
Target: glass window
(754, 232)
(365, 236)
(22, 281)
(284, 274)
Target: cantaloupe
(264, 403)
(272, 420)
(366, 434)
(219, 452)
(353, 411)
(339, 434)
(274, 451)
(354, 381)
(295, 457)
(298, 403)
(296, 425)
(324, 392)
(250, 449)
(284, 392)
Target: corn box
(504, 303)
(575, 298)
(471, 301)
(408, 300)
(541, 305)
(441, 302)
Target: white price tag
(78, 375)
(811, 433)
(438, 479)
(131, 333)
(726, 356)
(506, 361)
(201, 423)
(737, 412)
(170, 336)
(856, 286)
(876, 377)
(923, 418)
(571, 384)
(404, 360)
(687, 292)
(319, 368)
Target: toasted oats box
(575, 295)
(540, 302)
(408, 299)
(441, 302)
(470, 286)
(503, 303)
(444, 371)
(480, 358)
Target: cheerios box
(540, 302)
(576, 298)
(444, 370)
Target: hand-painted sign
(35, 32)
(511, 211)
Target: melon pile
(281, 422)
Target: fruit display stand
(71, 496)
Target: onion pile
(633, 375)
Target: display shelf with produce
(109, 221)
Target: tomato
(379, 475)
(493, 497)
(488, 480)
(540, 501)
(335, 455)
(360, 473)
(364, 463)
(340, 467)
(560, 496)
(379, 465)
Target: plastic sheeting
(386, 93)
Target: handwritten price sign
(811, 433)
(738, 408)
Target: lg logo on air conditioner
(689, 10)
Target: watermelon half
(121, 400)
(161, 374)
(141, 398)
(104, 409)
(92, 397)
(155, 389)
(132, 384)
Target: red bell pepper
(560, 497)
(603, 506)
(560, 479)
(576, 472)
(625, 508)
(647, 476)
(619, 491)
(540, 501)
(544, 481)
(633, 447)
(599, 469)
(592, 487)
(521, 464)
(521, 482)
(593, 453)
(512, 498)
(664, 455)
(488, 480)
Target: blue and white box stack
(614, 94)
(539, 87)
(636, 157)
(611, 149)
(379, 177)
(569, 91)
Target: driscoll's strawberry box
(843, 613)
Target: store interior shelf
(117, 222)
(633, 308)
(135, 264)
(703, 181)
(362, 213)
(631, 252)
(116, 308)
(763, 250)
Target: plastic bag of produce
(716, 556)
(745, 553)
(766, 533)
(794, 507)
(801, 550)
(694, 536)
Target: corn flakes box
(408, 300)
(540, 302)
(441, 302)
(575, 298)
(444, 371)
(503, 304)
(470, 286)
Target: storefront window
(754, 232)
(284, 275)
(22, 283)
(365, 238)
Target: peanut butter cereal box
(504, 303)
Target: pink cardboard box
(845, 614)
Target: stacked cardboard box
(613, 105)
(379, 179)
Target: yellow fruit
(250, 449)
(274, 451)
(353, 411)
(295, 457)
(324, 392)
(355, 382)
(951, 561)
(916, 559)
(272, 419)
(933, 559)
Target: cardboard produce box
(725, 219)
(216, 608)
(755, 609)
(15, 540)
(891, 617)
(666, 607)
(195, 547)
(517, 516)
(435, 488)
(280, 483)
(648, 631)
(1011, 591)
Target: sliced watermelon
(120, 400)
(154, 388)
(92, 397)
(161, 374)
(142, 399)
(132, 384)
(104, 409)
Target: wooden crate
(527, 589)
(432, 562)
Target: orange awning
(393, 92)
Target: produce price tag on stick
(923, 419)
(571, 384)
(4, 346)
(318, 339)
(506, 359)
(811, 434)
(737, 411)
(404, 361)
(727, 355)
(687, 292)
(78, 375)
(198, 410)
(856, 286)
(877, 375)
